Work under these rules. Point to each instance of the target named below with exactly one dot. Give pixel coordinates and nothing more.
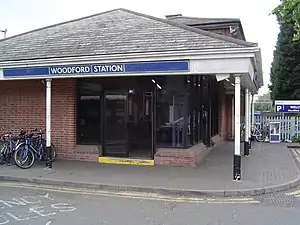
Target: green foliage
(285, 68)
(288, 11)
(264, 103)
(296, 138)
(263, 107)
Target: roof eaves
(196, 30)
(212, 18)
(203, 19)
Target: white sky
(259, 26)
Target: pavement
(45, 205)
(269, 168)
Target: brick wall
(222, 31)
(23, 106)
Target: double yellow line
(294, 193)
(131, 195)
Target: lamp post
(4, 32)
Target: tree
(263, 103)
(288, 11)
(285, 68)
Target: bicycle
(32, 148)
(8, 148)
(258, 134)
(243, 131)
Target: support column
(48, 124)
(249, 119)
(153, 119)
(197, 109)
(209, 102)
(246, 143)
(237, 130)
(252, 112)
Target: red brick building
(125, 84)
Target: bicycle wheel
(259, 137)
(2, 154)
(21, 160)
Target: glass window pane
(89, 111)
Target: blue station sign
(287, 106)
(99, 69)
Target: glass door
(115, 115)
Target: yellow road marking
(293, 193)
(233, 199)
(141, 196)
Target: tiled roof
(113, 32)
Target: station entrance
(128, 118)
(118, 114)
(131, 117)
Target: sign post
(292, 106)
(287, 106)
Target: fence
(289, 123)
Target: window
(89, 111)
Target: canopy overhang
(243, 61)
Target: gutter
(246, 52)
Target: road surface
(24, 204)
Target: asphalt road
(41, 205)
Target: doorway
(116, 141)
(129, 123)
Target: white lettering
(87, 69)
(295, 107)
(120, 68)
(108, 68)
(3, 220)
(70, 70)
(25, 199)
(53, 70)
(65, 70)
(11, 203)
(35, 211)
(63, 207)
(38, 210)
(46, 196)
(17, 218)
(278, 108)
(78, 69)
(96, 69)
